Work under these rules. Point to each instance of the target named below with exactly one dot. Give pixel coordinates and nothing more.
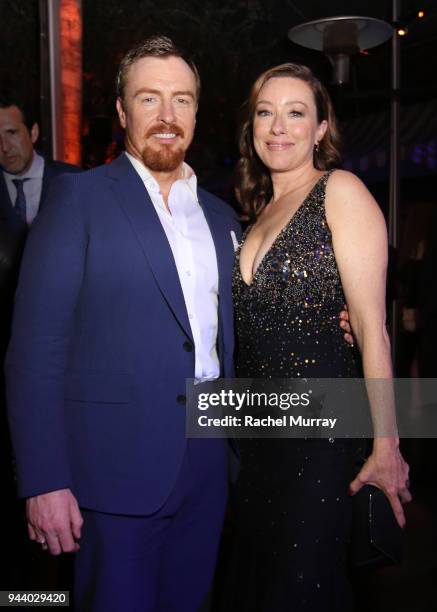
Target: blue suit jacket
(101, 344)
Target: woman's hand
(386, 469)
(345, 326)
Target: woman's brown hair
(254, 187)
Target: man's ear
(121, 113)
(34, 133)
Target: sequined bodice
(287, 319)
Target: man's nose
(166, 112)
(4, 144)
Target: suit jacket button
(181, 399)
(188, 346)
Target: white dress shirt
(194, 253)
(32, 187)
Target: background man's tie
(20, 202)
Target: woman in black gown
(316, 239)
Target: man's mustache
(172, 128)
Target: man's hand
(54, 521)
(345, 326)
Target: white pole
(53, 7)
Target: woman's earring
(316, 147)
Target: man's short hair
(154, 46)
(9, 98)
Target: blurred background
(233, 41)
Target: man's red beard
(163, 158)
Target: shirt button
(187, 346)
(188, 273)
(181, 399)
(190, 316)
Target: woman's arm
(360, 245)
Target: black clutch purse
(377, 539)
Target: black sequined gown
(292, 507)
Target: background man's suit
(102, 346)
(13, 232)
(52, 169)
(12, 237)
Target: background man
(25, 174)
(24, 179)
(125, 292)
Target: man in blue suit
(124, 293)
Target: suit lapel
(46, 176)
(137, 206)
(6, 208)
(223, 245)
(225, 260)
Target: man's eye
(182, 101)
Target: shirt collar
(35, 170)
(151, 183)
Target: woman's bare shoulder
(345, 182)
(346, 193)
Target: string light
(407, 19)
